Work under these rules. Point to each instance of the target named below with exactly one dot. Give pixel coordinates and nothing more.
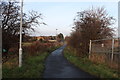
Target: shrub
(37, 47)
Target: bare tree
(91, 24)
(11, 22)
(60, 37)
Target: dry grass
(95, 66)
(103, 59)
(98, 58)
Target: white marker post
(20, 49)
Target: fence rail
(107, 50)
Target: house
(40, 38)
(46, 38)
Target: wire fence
(105, 51)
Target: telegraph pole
(20, 48)
(56, 34)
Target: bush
(33, 66)
(13, 50)
(36, 47)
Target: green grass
(99, 70)
(33, 66)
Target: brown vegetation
(10, 11)
(89, 25)
(103, 59)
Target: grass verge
(33, 66)
(99, 70)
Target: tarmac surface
(56, 66)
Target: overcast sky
(60, 15)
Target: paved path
(58, 67)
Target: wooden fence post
(90, 46)
(112, 50)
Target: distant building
(46, 38)
(40, 38)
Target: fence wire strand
(105, 51)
